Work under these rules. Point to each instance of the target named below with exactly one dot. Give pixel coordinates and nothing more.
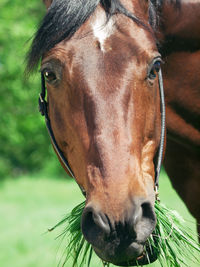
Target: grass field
(31, 205)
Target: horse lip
(139, 261)
(142, 259)
(134, 250)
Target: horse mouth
(139, 261)
(146, 256)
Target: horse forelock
(63, 19)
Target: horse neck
(179, 37)
(182, 21)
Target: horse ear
(47, 3)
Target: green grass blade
(171, 240)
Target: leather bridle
(162, 134)
(43, 108)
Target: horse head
(100, 63)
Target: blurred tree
(24, 144)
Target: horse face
(105, 114)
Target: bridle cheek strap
(162, 134)
(43, 108)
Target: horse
(101, 66)
(179, 37)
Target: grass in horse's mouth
(171, 242)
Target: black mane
(64, 18)
(155, 10)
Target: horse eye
(154, 70)
(49, 76)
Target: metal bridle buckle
(157, 194)
(42, 105)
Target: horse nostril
(147, 211)
(94, 224)
(146, 223)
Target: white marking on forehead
(101, 28)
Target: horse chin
(139, 261)
(130, 259)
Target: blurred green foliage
(24, 144)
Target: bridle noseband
(43, 108)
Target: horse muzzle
(121, 242)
